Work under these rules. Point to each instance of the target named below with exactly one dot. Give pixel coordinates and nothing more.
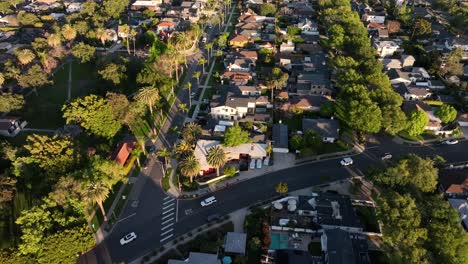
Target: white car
(450, 142)
(259, 164)
(128, 238)
(346, 161)
(252, 164)
(208, 201)
(387, 156)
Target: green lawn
(45, 109)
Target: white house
(153, 5)
(233, 107)
(74, 7)
(374, 17)
(287, 47)
(386, 48)
(308, 27)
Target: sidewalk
(400, 140)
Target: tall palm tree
(209, 48)
(174, 57)
(197, 75)
(202, 61)
(216, 158)
(54, 40)
(190, 166)
(182, 107)
(182, 149)
(188, 87)
(148, 95)
(25, 56)
(97, 192)
(166, 154)
(126, 31)
(133, 34)
(191, 132)
(68, 32)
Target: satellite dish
(292, 207)
(278, 206)
(292, 201)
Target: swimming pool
(278, 241)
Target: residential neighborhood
(221, 131)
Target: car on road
(387, 156)
(259, 163)
(450, 142)
(208, 201)
(214, 217)
(128, 238)
(252, 164)
(347, 161)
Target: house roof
(461, 205)
(375, 25)
(198, 258)
(123, 151)
(235, 243)
(237, 76)
(239, 38)
(394, 74)
(454, 181)
(343, 247)
(280, 135)
(324, 127)
(165, 24)
(305, 102)
(418, 91)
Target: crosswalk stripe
(170, 209)
(167, 197)
(166, 216)
(168, 201)
(167, 232)
(167, 206)
(165, 227)
(167, 221)
(166, 238)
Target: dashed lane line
(167, 232)
(166, 216)
(167, 226)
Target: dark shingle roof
(280, 135)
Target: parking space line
(167, 226)
(166, 216)
(168, 201)
(167, 221)
(166, 238)
(165, 198)
(167, 232)
(170, 209)
(167, 206)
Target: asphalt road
(148, 215)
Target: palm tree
(202, 61)
(97, 192)
(182, 107)
(166, 154)
(190, 166)
(2, 79)
(149, 95)
(54, 40)
(188, 86)
(216, 158)
(68, 32)
(197, 76)
(191, 132)
(209, 48)
(181, 39)
(182, 149)
(101, 34)
(126, 32)
(133, 34)
(174, 57)
(25, 56)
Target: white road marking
(168, 201)
(170, 209)
(167, 226)
(167, 232)
(167, 206)
(166, 238)
(167, 221)
(125, 218)
(166, 216)
(165, 198)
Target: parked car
(252, 164)
(387, 156)
(208, 201)
(346, 161)
(128, 238)
(450, 142)
(259, 163)
(213, 217)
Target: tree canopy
(11, 102)
(114, 73)
(235, 136)
(83, 52)
(417, 121)
(94, 114)
(267, 9)
(446, 113)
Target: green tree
(393, 119)
(196, 75)
(230, 171)
(114, 73)
(55, 155)
(190, 166)
(281, 188)
(25, 56)
(65, 246)
(83, 52)
(11, 102)
(97, 192)
(417, 122)
(119, 104)
(94, 114)
(267, 9)
(34, 223)
(148, 95)
(446, 113)
(54, 40)
(452, 64)
(5, 8)
(68, 32)
(296, 142)
(27, 19)
(114, 8)
(202, 61)
(327, 109)
(335, 37)
(191, 132)
(216, 158)
(364, 116)
(166, 154)
(34, 78)
(183, 149)
(182, 107)
(235, 136)
(421, 27)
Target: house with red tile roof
(123, 151)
